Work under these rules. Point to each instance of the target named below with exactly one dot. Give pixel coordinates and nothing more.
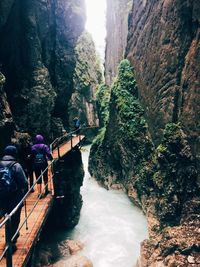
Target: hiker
(77, 125)
(24, 155)
(39, 155)
(13, 187)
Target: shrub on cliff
(170, 176)
(124, 145)
(86, 79)
(103, 99)
(176, 173)
(132, 127)
(87, 71)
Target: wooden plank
(66, 147)
(35, 222)
(27, 237)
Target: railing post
(58, 152)
(8, 242)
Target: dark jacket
(24, 153)
(20, 179)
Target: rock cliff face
(160, 179)
(38, 58)
(87, 76)
(6, 121)
(117, 30)
(163, 45)
(68, 178)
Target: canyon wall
(67, 179)
(117, 30)
(6, 121)
(149, 146)
(87, 77)
(38, 60)
(163, 46)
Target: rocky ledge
(177, 245)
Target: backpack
(7, 181)
(39, 159)
(77, 124)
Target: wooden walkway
(27, 237)
(66, 147)
(36, 220)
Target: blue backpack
(7, 181)
(39, 159)
(77, 124)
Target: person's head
(23, 140)
(39, 139)
(10, 151)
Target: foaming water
(110, 226)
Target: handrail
(65, 135)
(8, 216)
(58, 139)
(26, 195)
(28, 192)
(7, 219)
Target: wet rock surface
(74, 261)
(68, 178)
(161, 179)
(163, 46)
(87, 77)
(67, 251)
(38, 60)
(175, 246)
(117, 31)
(6, 119)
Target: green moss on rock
(176, 174)
(126, 143)
(171, 175)
(87, 70)
(163, 177)
(86, 79)
(103, 99)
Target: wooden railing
(56, 144)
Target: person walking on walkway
(12, 194)
(24, 155)
(77, 125)
(40, 152)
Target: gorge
(147, 110)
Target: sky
(96, 23)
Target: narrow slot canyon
(126, 193)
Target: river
(110, 227)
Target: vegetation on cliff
(87, 70)
(170, 177)
(87, 77)
(6, 120)
(103, 99)
(123, 153)
(123, 144)
(175, 174)
(37, 57)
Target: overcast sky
(96, 23)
